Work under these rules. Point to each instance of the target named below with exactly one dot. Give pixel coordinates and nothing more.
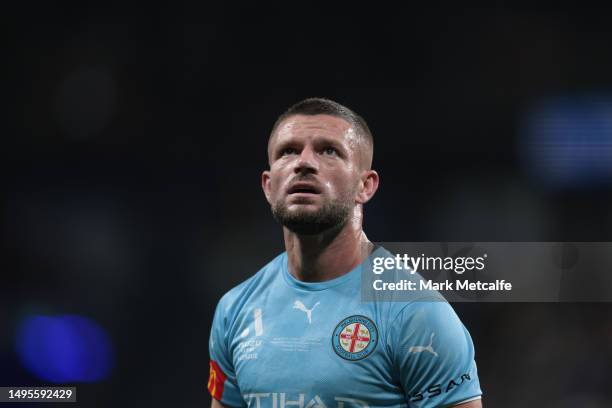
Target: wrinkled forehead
(305, 127)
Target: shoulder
(435, 314)
(432, 323)
(397, 306)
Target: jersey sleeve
(434, 355)
(222, 384)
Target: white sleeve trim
(466, 400)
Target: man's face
(315, 172)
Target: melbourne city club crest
(355, 338)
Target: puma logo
(300, 306)
(420, 349)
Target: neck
(325, 256)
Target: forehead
(312, 126)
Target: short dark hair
(324, 106)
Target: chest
(311, 350)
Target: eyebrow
(320, 140)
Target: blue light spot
(567, 142)
(64, 349)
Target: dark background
(135, 137)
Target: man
(296, 334)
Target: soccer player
(296, 334)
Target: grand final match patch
(355, 338)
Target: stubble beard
(332, 215)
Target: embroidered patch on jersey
(216, 380)
(355, 338)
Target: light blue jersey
(278, 342)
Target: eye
(287, 151)
(330, 151)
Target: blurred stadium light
(64, 349)
(566, 142)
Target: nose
(307, 162)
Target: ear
(368, 186)
(265, 184)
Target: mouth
(303, 188)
